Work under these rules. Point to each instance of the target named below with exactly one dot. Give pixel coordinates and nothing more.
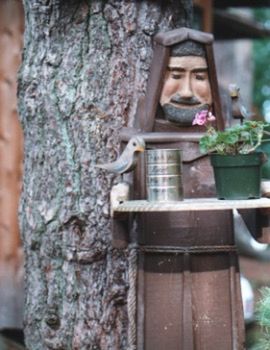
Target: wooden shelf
(196, 204)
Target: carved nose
(185, 90)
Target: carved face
(186, 89)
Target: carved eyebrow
(200, 70)
(195, 70)
(176, 69)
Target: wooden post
(206, 6)
(11, 291)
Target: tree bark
(85, 65)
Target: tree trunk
(85, 66)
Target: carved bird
(239, 111)
(128, 159)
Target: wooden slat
(160, 137)
(7, 344)
(241, 3)
(232, 26)
(154, 86)
(207, 14)
(214, 87)
(198, 204)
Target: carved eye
(176, 76)
(134, 144)
(201, 77)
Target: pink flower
(202, 117)
(211, 117)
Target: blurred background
(11, 155)
(242, 49)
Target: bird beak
(140, 149)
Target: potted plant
(233, 155)
(265, 148)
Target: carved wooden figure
(188, 290)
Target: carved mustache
(191, 101)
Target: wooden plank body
(190, 283)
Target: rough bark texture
(85, 65)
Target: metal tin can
(163, 169)
(164, 175)
(163, 180)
